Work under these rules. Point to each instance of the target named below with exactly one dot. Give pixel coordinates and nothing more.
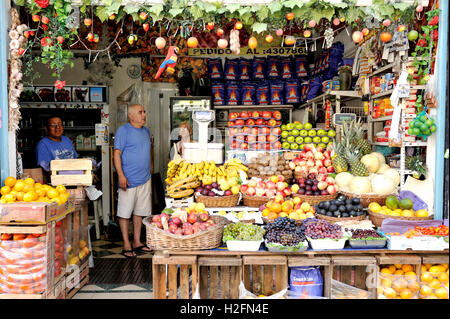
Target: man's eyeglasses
(55, 125)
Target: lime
(433, 128)
(406, 203)
(392, 202)
(416, 131)
(427, 132)
(422, 118)
(423, 127)
(412, 124)
(429, 122)
(410, 131)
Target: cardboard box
(35, 173)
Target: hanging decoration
(169, 62)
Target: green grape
(242, 231)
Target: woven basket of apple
(218, 195)
(266, 165)
(257, 191)
(190, 228)
(312, 160)
(315, 188)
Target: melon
(380, 157)
(393, 174)
(372, 162)
(383, 185)
(383, 168)
(360, 185)
(343, 180)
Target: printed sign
(247, 51)
(339, 118)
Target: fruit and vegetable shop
(295, 149)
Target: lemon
(29, 181)
(19, 186)
(200, 206)
(422, 213)
(394, 214)
(10, 198)
(52, 193)
(5, 190)
(60, 189)
(374, 207)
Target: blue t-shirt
(48, 150)
(134, 143)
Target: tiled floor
(105, 280)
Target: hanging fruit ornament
(385, 37)
(336, 21)
(210, 26)
(252, 43)
(60, 39)
(329, 37)
(45, 20)
(192, 42)
(87, 22)
(146, 26)
(289, 40)
(142, 15)
(401, 28)
(90, 37)
(312, 23)
(96, 38)
(357, 36)
(365, 31)
(269, 38)
(234, 42)
(238, 25)
(222, 43)
(131, 39)
(419, 8)
(342, 19)
(413, 35)
(219, 32)
(387, 22)
(35, 18)
(307, 33)
(112, 17)
(279, 32)
(160, 43)
(290, 16)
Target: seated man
(54, 145)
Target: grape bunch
(329, 37)
(323, 229)
(365, 233)
(242, 231)
(284, 231)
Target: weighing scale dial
(204, 116)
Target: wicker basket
(366, 199)
(340, 219)
(314, 200)
(254, 201)
(218, 201)
(159, 239)
(377, 219)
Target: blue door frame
(4, 148)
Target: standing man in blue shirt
(54, 145)
(132, 159)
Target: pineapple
(361, 143)
(339, 161)
(357, 168)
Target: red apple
(276, 131)
(310, 163)
(262, 138)
(246, 130)
(259, 122)
(172, 228)
(87, 22)
(251, 139)
(156, 218)
(327, 154)
(179, 232)
(240, 138)
(298, 169)
(331, 189)
(261, 184)
(270, 193)
(277, 115)
(327, 162)
(192, 218)
(280, 193)
(280, 178)
(330, 180)
(243, 146)
(319, 163)
(210, 26)
(255, 114)
(319, 156)
(272, 138)
(260, 192)
(234, 145)
(252, 183)
(258, 147)
(203, 226)
(270, 185)
(233, 115)
(250, 122)
(314, 171)
(322, 185)
(287, 191)
(267, 114)
(330, 169)
(293, 166)
(239, 122)
(265, 130)
(177, 221)
(281, 186)
(204, 217)
(272, 122)
(243, 115)
(254, 131)
(319, 149)
(322, 170)
(244, 188)
(219, 32)
(321, 177)
(251, 191)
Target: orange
(400, 284)
(441, 293)
(283, 214)
(265, 212)
(60, 189)
(10, 181)
(19, 196)
(286, 207)
(406, 294)
(28, 197)
(398, 266)
(445, 266)
(428, 265)
(426, 277)
(423, 269)
(272, 215)
(435, 284)
(443, 277)
(411, 275)
(387, 271)
(276, 208)
(389, 293)
(10, 198)
(435, 270)
(425, 291)
(413, 286)
(41, 192)
(19, 185)
(399, 272)
(29, 181)
(5, 190)
(386, 283)
(52, 193)
(406, 268)
(27, 188)
(392, 268)
(294, 215)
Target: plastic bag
(306, 281)
(245, 294)
(417, 202)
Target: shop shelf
(382, 69)
(381, 119)
(389, 92)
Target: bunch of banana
(232, 167)
(183, 187)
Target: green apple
(284, 134)
(323, 145)
(286, 145)
(321, 132)
(298, 126)
(331, 133)
(283, 127)
(312, 133)
(325, 139)
(316, 139)
(289, 126)
(283, 140)
(307, 139)
(307, 126)
(290, 139)
(302, 146)
(413, 35)
(303, 133)
(295, 132)
(299, 140)
(294, 146)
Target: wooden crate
(58, 167)
(265, 274)
(35, 173)
(171, 282)
(36, 212)
(36, 257)
(77, 276)
(356, 271)
(219, 277)
(435, 259)
(78, 192)
(324, 262)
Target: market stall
(309, 168)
